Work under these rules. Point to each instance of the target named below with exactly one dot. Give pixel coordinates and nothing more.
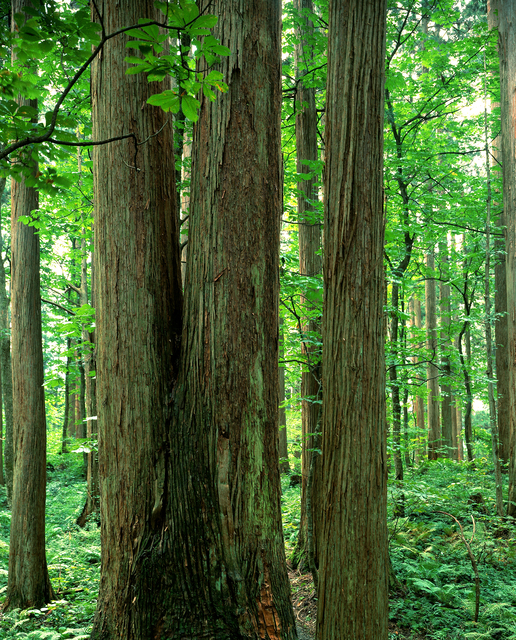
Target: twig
(471, 557)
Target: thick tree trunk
(434, 430)
(507, 52)
(310, 265)
(190, 500)
(353, 577)
(138, 310)
(28, 583)
(228, 388)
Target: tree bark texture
(353, 572)
(505, 425)
(434, 429)
(310, 265)
(190, 493)
(507, 54)
(227, 394)
(28, 582)
(138, 296)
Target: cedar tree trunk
(353, 572)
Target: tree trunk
(501, 337)
(190, 497)
(419, 403)
(90, 421)
(353, 575)
(28, 583)
(396, 401)
(310, 266)
(507, 53)
(488, 327)
(282, 415)
(6, 373)
(460, 445)
(434, 430)
(67, 401)
(138, 311)
(228, 387)
(446, 345)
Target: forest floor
(435, 594)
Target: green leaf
(220, 50)
(205, 22)
(168, 101)
(190, 106)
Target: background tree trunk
(282, 414)
(434, 430)
(310, 265)
(501, 337)
(6, 372)
(446, 345)
(353, 585)
(419, 403)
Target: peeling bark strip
(354, 560)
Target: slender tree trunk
(282, 414)
(396, 402)
(488, 327)
(310, 265)
(501, 336)
(446, 345)
(419, 403)
(6, 373)
(434, 430)
(353, 577)
(67, 403)
(460, 444)
(455, 430)
(28, 582)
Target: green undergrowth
(436, 594)
(434, 597)
(73, 556)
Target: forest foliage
(442, 95)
